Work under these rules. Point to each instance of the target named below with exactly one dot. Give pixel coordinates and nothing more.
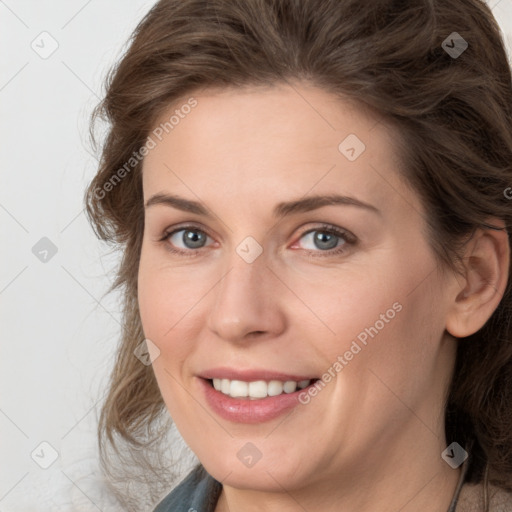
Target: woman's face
(280, 247)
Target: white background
(58, 331)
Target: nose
(247, 302)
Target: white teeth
(257, 389)
(289, 386)
(274, 388)
(238, 388)
(224, 386)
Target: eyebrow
(281, 209)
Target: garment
(471, 499)
(199, 492)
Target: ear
(486, 270)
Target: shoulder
(199, 491)
(471, 499)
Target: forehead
(255, 142)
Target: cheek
(341, 307)
(168, 299)
(400, 345)
(385, 315)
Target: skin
(379, 424)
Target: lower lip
(243, 410)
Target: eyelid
(326, 227)
(170, 231)
(330, 228)
(179, 227)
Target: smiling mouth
(259, 389)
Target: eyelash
(350, 240)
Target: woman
(311, 199)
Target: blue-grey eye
(323, 240)
(188, 238)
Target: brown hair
(453, 115)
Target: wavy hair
(453, 116)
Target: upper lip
(251, 375)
